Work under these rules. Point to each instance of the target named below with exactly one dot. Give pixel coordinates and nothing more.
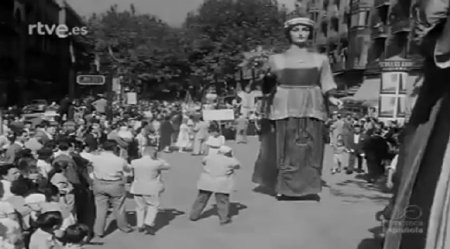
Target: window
(325, 4)
(315, 16)
(335, 23)
(363, 18)
(360, 19)
(383, 13)
(324, 28)
(338, 3)
(379, 46)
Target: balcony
(379, 30)
(381, 3)
(401, 26)
(361, 5)
(314, 6)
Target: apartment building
(365, 38)
(31, 64)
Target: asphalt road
(343, 219)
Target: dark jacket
(349, 142)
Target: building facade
(33, 65)
(339, 34)
(365, 38)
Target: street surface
(344, 218)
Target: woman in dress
(297, 109)
(166, 135)
(142, 139)
(183, 140)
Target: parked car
(35, 106)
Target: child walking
(339, 154)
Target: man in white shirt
(217, 177)
(147, 188)
(19, 138)
(100, 105)
(8, 174)
(109, 187)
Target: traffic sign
(91, 80)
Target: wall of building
(38, 65)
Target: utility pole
(109, 95)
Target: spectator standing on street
(18, 140)
(215, 140)
(183, 140)
(166, 135)
(241, 129)
(217, 177)
(147, 188)
(201, 134)
(355, 141)
(100, 104)
(8, 173)
(336, 128)
(109, 187)
(339, 155)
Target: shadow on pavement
(165, 216)
(264, 190)
(373, 243)
(381, 199)
(370, 244)
(235, 207)
(357, 189)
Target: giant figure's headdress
(298, 17)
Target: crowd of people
(365, 140)
(62, 176)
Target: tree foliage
(221, 30)
(137, 45)
(210, 45)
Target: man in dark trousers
(354, 142)
(376, 151)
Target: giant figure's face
(299, 34)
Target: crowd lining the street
(61, 176)
(56, 189)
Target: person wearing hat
(354, 142)
(45, 156)
(147, 187)
(298, 100)
(100, 104)
(217, 177)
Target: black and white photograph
(224, 124)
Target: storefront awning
(369, 92)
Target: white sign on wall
(131, 98)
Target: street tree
(220, 31)
(140, 47)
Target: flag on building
(188, 100)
